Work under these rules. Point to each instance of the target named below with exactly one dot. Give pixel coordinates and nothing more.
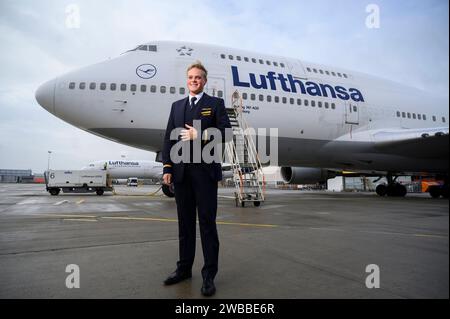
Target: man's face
(195, 81)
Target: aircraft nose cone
(45, 95)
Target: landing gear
(396, 190)
(392, 189)
(436, 191)
(381, 190)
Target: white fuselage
(317, 109)
(128, 168)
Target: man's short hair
(198, 65)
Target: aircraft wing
(417, 143)
(226, 167)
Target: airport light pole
(48, 161)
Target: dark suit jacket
(211, 111)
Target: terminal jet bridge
(241, 153)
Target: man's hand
(167, 179)
(189, 134)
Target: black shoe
(208, 288)
(177, 276)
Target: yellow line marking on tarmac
(148, 195)
(431, 236)
(80, 201)
(142, 218)
(246, 224)
(86, 217)
(81, 219)
(176, 220)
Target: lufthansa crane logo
(146, 71)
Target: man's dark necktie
(193, 102)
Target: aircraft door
(216, 87)
(351, 113)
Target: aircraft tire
(401, 190)
(434, 191)
(396, 190)
(381, 190)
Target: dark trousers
(197, 190)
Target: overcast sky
(410, 46)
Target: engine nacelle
(227, 174)
(305, 175)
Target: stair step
(241, 153)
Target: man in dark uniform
(195, 181)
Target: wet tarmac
(295, 245)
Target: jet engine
(306, 175)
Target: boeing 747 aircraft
(329, 119)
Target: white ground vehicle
(80, 181)
(132, 181)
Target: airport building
(16, 176)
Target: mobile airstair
(241, 154)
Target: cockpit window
(145, 47)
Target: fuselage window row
(292, 101)
(133, 88)
(415, 116)
(253, 60)
(314, 70)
